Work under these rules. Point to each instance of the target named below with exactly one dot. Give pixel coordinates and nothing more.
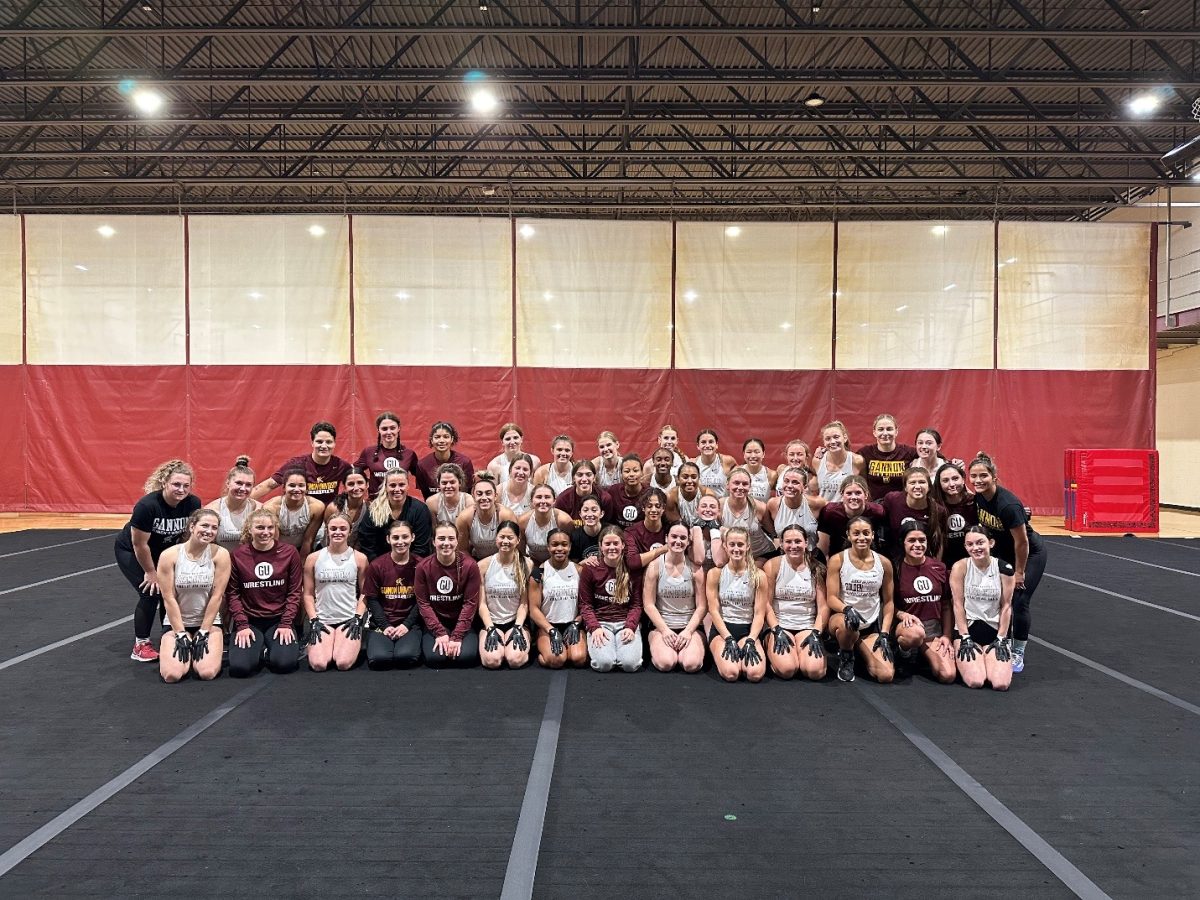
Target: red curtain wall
(83, 438)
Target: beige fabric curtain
(10, 290)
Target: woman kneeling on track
(673, 598)
(541, 519)
(611, 607)
(193, 576)
(923, 615)
(266, 582)
(983, 588)
(447, 588)
(155, 524)
(858, 586)
(299, 515)
(737, 604)
(504, 602)
(797, 614)
(333, 599)
(554, 606)
(395, 635)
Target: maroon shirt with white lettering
(264, 584)
(389, 587)
(428, 466)
(448, 596)
(570, 502)
(324, 482)
(922, 590)
(379, 461)
(626, 510)
(885, 471)
(596, 602)
(898, 511)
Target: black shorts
(869, 629)
(981, 633)
(738, 632)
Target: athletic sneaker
(845, 670)
(143, 652)
(1018, 661)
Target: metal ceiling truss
(686, 109)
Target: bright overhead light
(951, 286)
(526, 231)
(81, 268)
(690, 296)
(316, 230)
(106, 231)
(147, 101)
(1011, 260)
(813, 100)
(733, 231)
(786, 326)
(327, 326)
(401, 295)
(902, 308)
(1196, 175)
(254, 295)
(547, 296)
(483, 101)
(1144, 104)
(557, 326)
(939, 230)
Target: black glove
(967, 650)
(883, 643)
(853, 618)
(183, 647)
(491, 639)
(783, 640)
(750, 655)
(516, 638)
(199, 645)
(731, 651)
(571, 635)
(353, 628)
(812, 643)
(1003, 650)
(316, 628)
(556, 642)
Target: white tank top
(795, 598)
(535, 537)
(860, 589)
(675, 596)
(687, 510)
(336, 580)
(802, 516)
(606, 477)
(292, 525)
(560, 593)
(981, 593)
(664, 488)
(483, 537)
(713, 476)
(448, 515)
(559, 482)
(500, 589)
(760, 484)
(760, 544)
(830, 482)
(516, 507)
(500, 462)
(229, 523)
(193, 586)
(736, 597)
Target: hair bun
(242, 460)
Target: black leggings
(281, 658)
(468, 656)
(148, 606)
(385, 653)
(1035, 567)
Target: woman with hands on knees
(554, 606)
(797, 614)
(982, 586)
(504, 602)
(610, 607)
(923, 615)
(388, 589)
(266, 584)
(859, 589)
(674, 601)
(737, 604)
(333, 599)
(193, 576)
(447, 589)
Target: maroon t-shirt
(427, 468)
(958, 520)
(885, 471)
(323, 481)
(626, 510)
(898, 511)
(922, 590)
(833, 521)
(264, 584)
(448, 596)
(391, 586)
(570, 502)
(380, 461)
(638, 540)
(596, 603)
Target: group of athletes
(892, 555)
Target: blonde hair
(754, 571)
(840, 426)
(261, 513)
(380, 509)
(158, 479)
(607, 434)
(622, 589)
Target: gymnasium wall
(126, 340)
(1178, 432)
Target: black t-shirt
(1004, 511)
(958, 520)
(164, 522)
(584, 545)
(885, 471)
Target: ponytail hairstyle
(157, 480)
(912, 525)
(623, 588)
(855, 479)
(521, 565)
(296, 470)
(754, 440)
(982, 459)
(840, 426)
(933, 433)
(241, 466)
(340, 502)
(653, 493)
(755, 573)
(261, 513)
(385, 416)
(814, 563)
(979, 529)
(879, 418)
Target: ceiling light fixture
(813, 100)
(316, 230)
(106, 231)
(1144, 104)
(147, 101)
(484, 102)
